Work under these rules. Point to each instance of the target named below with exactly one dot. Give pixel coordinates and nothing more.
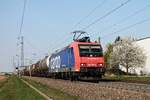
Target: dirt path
(2, 78)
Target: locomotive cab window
(90, 50)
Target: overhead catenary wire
(33, 46)
(126, 18)
(90, 13)
(62, 42)
(107, 14)
(22, 21)
(36, 51)
(127, 27)
(80, 21)
(22, 17)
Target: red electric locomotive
(88, 57)
(82, 58)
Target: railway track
(135, 87)
(104, 90)
(122, 85)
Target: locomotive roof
(58, 50)
(74, 42)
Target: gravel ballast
(92, 91)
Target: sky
(48, 25)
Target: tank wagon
(82, 58)
(40, 68)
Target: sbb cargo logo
(55, 62)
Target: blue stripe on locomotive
(62, 59)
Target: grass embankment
(132, 79)
(51, 92)
(15, 89)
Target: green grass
(135, 79)
(15, 89)
(51, 92)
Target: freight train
(81, 59)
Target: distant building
(145, 44)
(2, 73)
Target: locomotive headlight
(100, 65)
(83, 64)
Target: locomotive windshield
(90, 50)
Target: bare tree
(127, 54)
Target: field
(13, 88)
